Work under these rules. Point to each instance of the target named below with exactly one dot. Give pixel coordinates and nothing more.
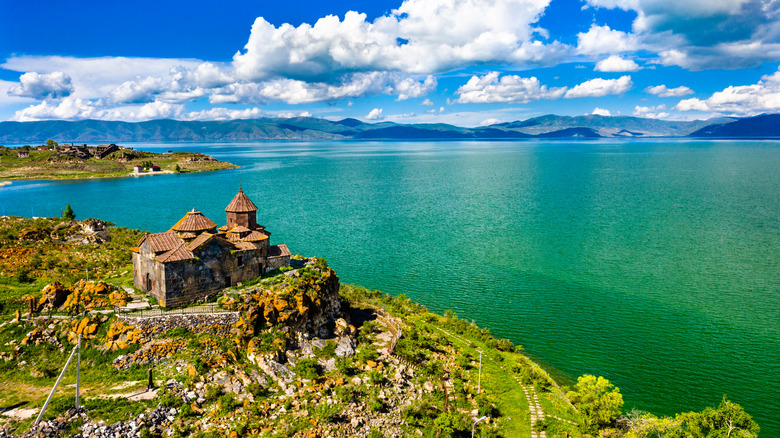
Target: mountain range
(307, 128)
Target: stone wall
(218, 323)
(277, 262)
(216, 268)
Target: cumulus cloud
(427, 102)
(95, 78)
(488, 122)
(663, 91)
(420, 37)
(600, 87)
(616, 64)
(700, 34)
(601, 112)
(71, 108)
(374, 114)
(601, 39)
(41, 86)
(136, 91)
(743, 100)
(409, 87)
(491, 88)
(224, 114)
(296, 91)
(651, 112)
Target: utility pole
(78, 373)
(479, 382)
(474, 424)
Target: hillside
(767, 126)
(312, 129)
(295, 353)
(56, 164)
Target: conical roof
(194, 221)
(241, 203)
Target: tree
(727, 421)
(177, 169)
(68, 214)
(598, 401)
(51, 144)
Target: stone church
(195, 259)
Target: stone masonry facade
(195, 259)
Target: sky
(462, 62)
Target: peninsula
(292, 352)
(72, 161)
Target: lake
(654, 263)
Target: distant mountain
(621, 126)
(308, 128)
(766, 125)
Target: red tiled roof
(245, 246)
(177, 254)
(188, 235)
(278, 251)
(233, 237)
(255, 236)
(241, 203)
(200, 240)
(223, 228)
(161, 242)
(240, 229)
(194, 221)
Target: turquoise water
(653, 263)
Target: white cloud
(507, 89)
(41, 86)
(651, 112)
(157, 110)
(224, 114)
(663, 91)
(488, 122)
(409, 87)
(71, 108)
(95, 78)
(616, 64)
(374, 114)
(136, 91)
(420, 37)
(744, 100)
(600, 87)
(601, 112)
(698, 34)
(293, 91)
(427, 102)
(601, 39)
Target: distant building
(23, 153)
(138, 168)
(155, 168)
(85, 152)
(195, 259)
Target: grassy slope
(38, 166)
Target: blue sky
(464, 62)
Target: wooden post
(31, 305)
(150, 385)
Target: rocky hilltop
(295, 353)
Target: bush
(308, 369)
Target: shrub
(308, 369)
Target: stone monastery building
(195, 258)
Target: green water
(653, 263)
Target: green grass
(45, 165)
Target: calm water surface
(655, 264)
